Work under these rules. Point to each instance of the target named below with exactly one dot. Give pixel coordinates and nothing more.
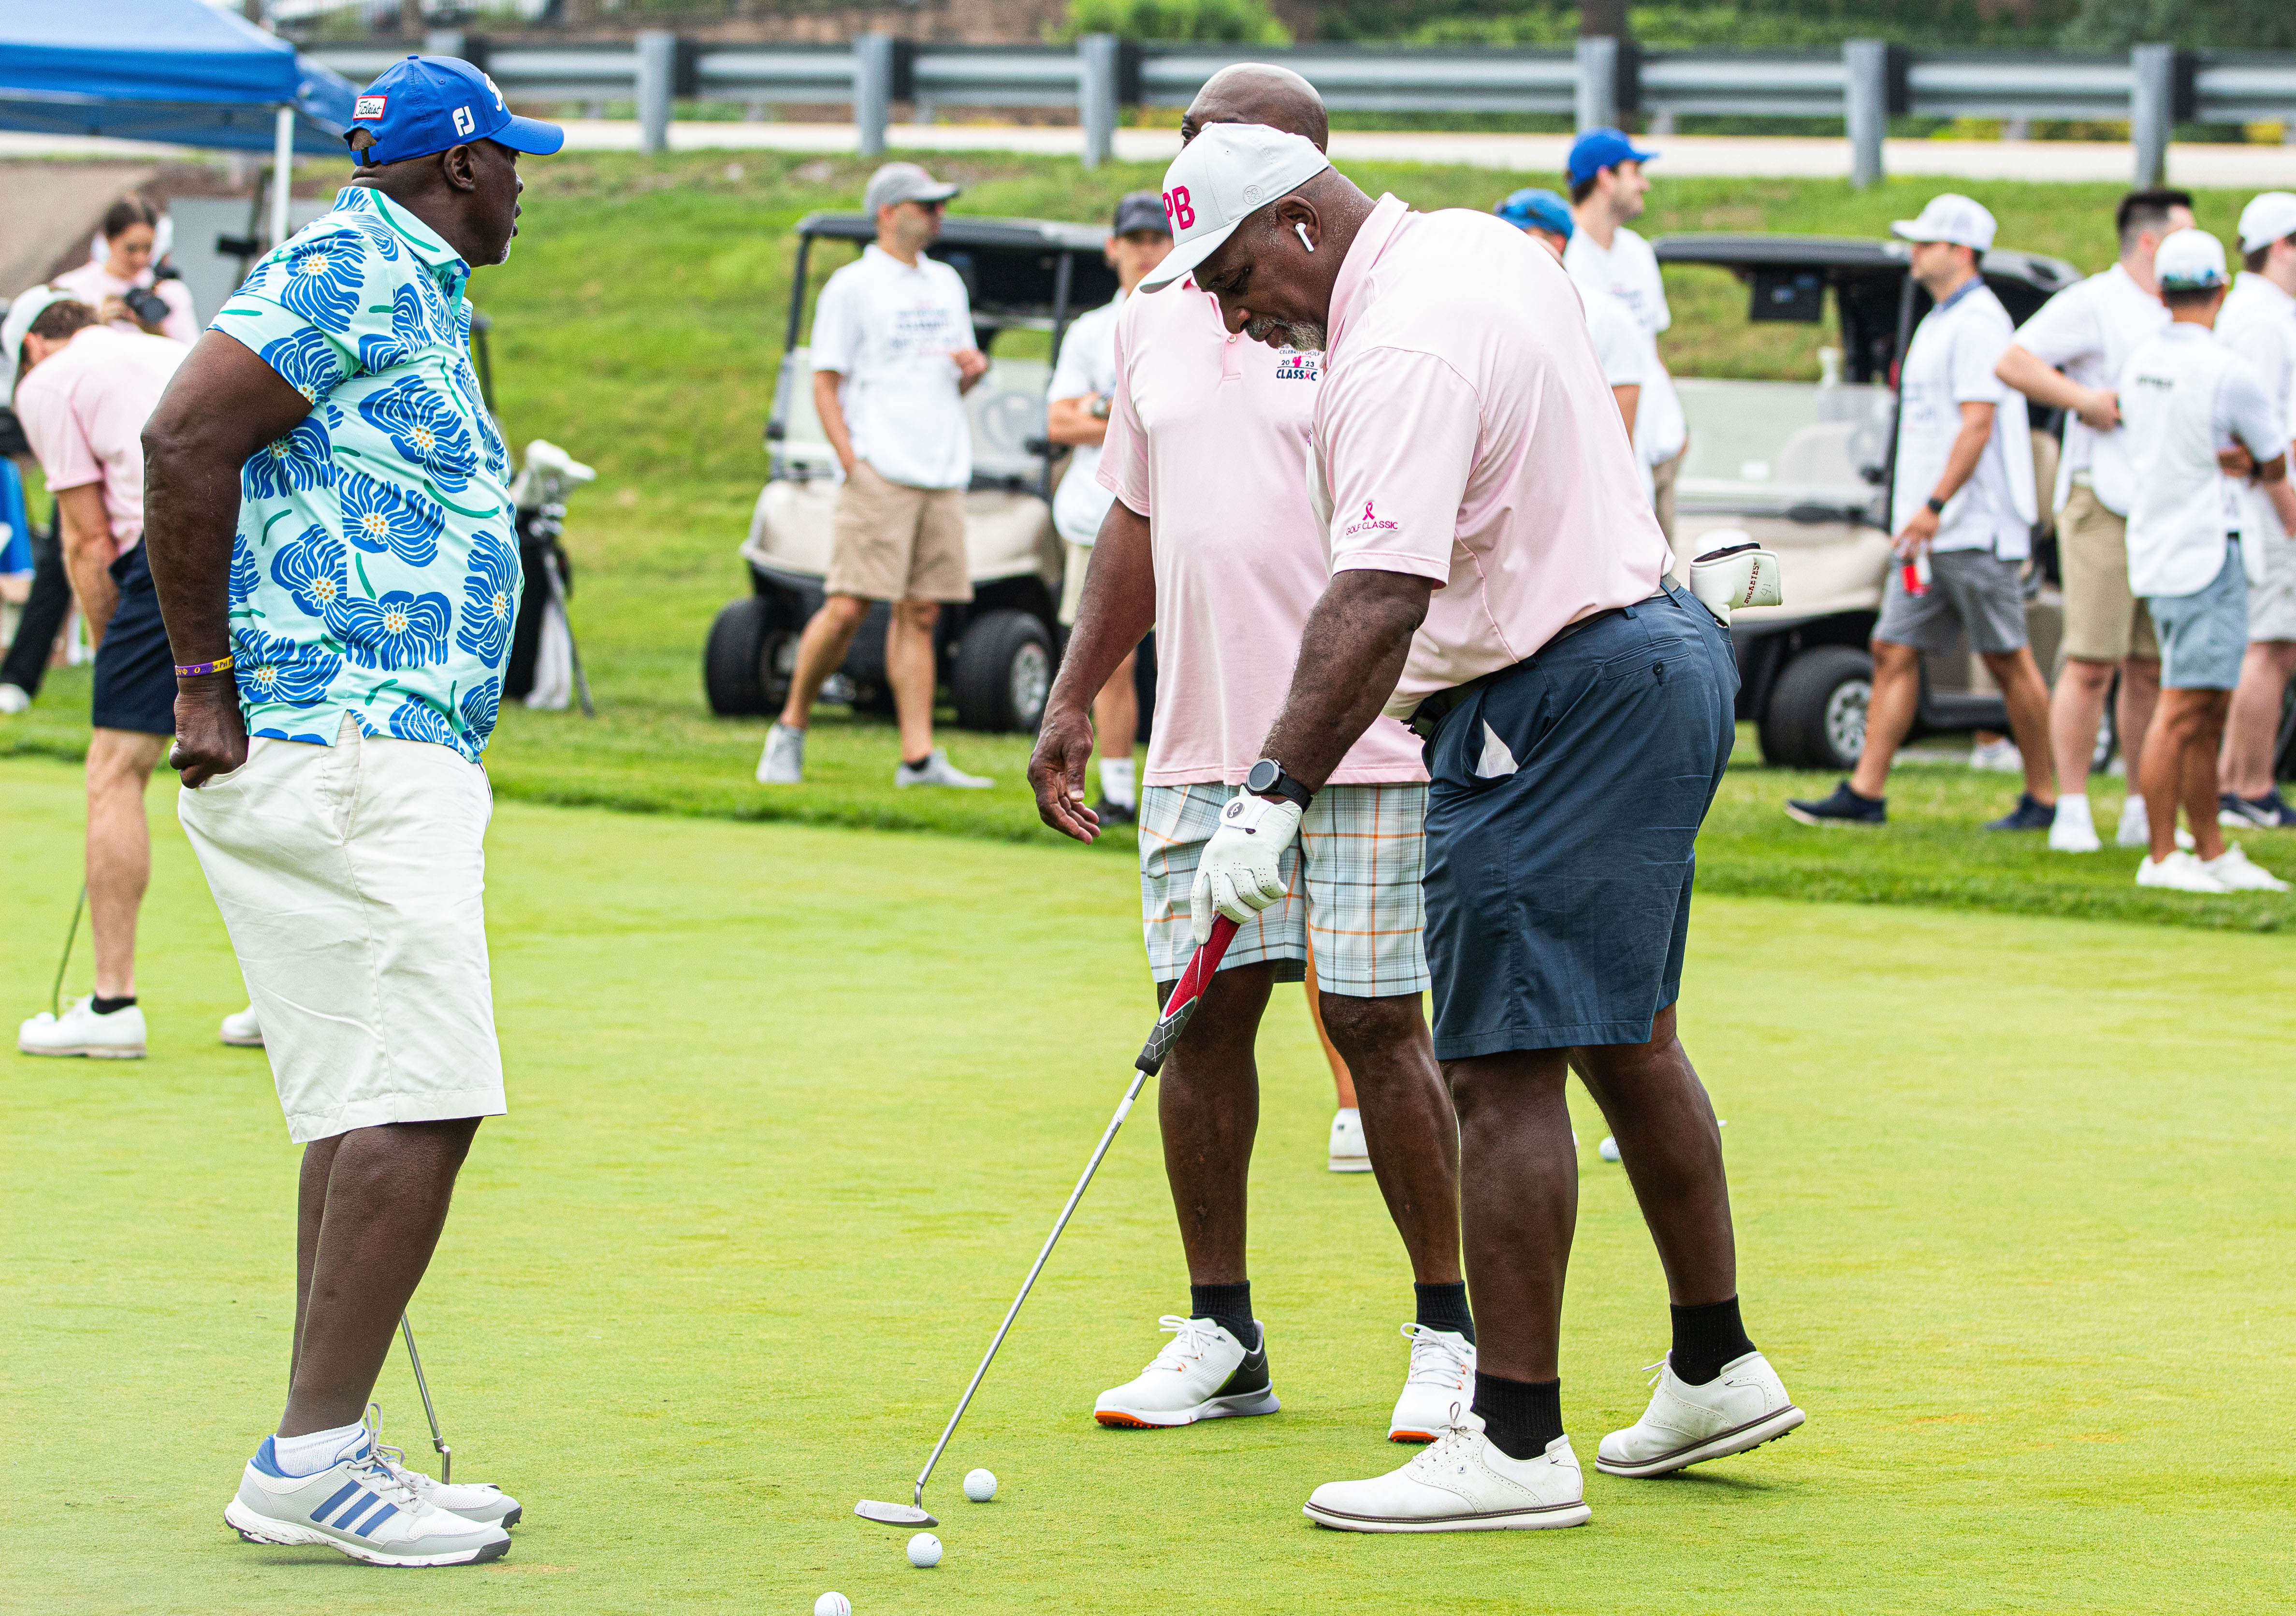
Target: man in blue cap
(1607, 188)
(1621, 346)
(335, 554)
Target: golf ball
(924, 1551)
(1608, 1149)
(832, 1604)
(980, 1485)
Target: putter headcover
(1742, 574)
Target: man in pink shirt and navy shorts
(1500, 580)
(1211, 541)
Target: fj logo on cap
(369, 106)
(464, 122)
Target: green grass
(792, 1108)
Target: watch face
(1264, 775)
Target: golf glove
(1242, 869)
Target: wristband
(193, 670)
(1936, 505)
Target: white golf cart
(997, 656)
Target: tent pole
(282, 173)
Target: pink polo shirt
(1208, 438)
(1465, 434)
(83, 411)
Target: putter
(445, 1454)
(56, 991)
(1186, 994)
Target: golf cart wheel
(1816, 714)
(734, 660)
(1003, 673)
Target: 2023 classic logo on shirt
(1293, 365)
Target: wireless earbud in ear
(1302, 230)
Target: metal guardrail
(1597, 81)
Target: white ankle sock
(312, 1452)
(2071, 809)
(1116, 781)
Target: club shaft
(1107, 1139)
(55, 992)
(437, 1442)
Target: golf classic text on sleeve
(376, 570)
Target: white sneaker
(241, 1030)
(1440, 1388)
(2234, 873)
(2074, 830)
(937, 771)
(782, 762)
(2180, 871)
(14, 700)
(2135, 830)
(359, 1506)
(80, 1031)
(1348, 1152)
(480, 1501)
(1742, 1408)
(2001, 756)
(1462, 1484)
(1203, 1373)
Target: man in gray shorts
(1964, 515)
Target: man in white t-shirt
(2069, 356)
(1607, 192)
(1084, 385)
(1212, 539)
(1962, 511)
(2194, 537)
(2259, 322)
(893, 356)
(1624, 351)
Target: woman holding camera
(123, 287)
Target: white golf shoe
(1461, 1484)
(80, 1031)
(782, 762)
(2180, 871)
(480, 1501)
(1347, 1152)
(937, 771)
(1441, 1383)
(2136, 827)
(358, 1507)
(1744, 1407)
(1999, 756)
(1202, 1374)
(2074, 830)
(241, 1030)
(14, 700)
(2234, 873)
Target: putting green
(792, 1108)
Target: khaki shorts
(2104, 621)
(1664, 475)
(1080, 556)
(2272, 604)
(890, 541)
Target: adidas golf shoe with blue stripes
(358, 1505)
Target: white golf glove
(1240, 872)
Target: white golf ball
(1608, 1149)
(924, 1551)
(980, 1485)
(832, 1604)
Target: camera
(148, 307)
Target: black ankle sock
(1228, 1306)
(1705, 1338)
(1520, 1416)
(105, 1007)
(916, 763)
(1443, 1307)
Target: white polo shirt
(889, 328)
(1949, 364)
(1628, 270)
(2184, 398)
(1087, 365)
(2089, 331)
(1627, 353)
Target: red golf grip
(1186, 993)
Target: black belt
(1428, 715)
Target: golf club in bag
(1186, 994)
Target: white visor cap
(2268, 218)
(1222, 178)
(1950, 217)
(2190, 260)
(24, 309)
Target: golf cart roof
(1034, 274)
(1847, 257)
(970, 231)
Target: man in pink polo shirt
(1211, 541)
(1500, 580)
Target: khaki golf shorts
(1356, 887)
(890, 541)
(352, 880)
(1665, 478)
(2104, 619)
(2272, 604)
(1080, 556)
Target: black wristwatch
(1267, 778)
(1936, 505)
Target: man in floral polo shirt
(331, 534)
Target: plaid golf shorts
(1352, 879)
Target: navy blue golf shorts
(135, 671)
(1561, 825)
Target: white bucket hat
(1222, 178)
(1950, 217)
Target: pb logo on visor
(369, 106)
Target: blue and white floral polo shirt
(375, 570)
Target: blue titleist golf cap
(1600, 148)
(1535, 208)
(424, 104)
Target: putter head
(893, 1514)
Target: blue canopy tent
(177, 71)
